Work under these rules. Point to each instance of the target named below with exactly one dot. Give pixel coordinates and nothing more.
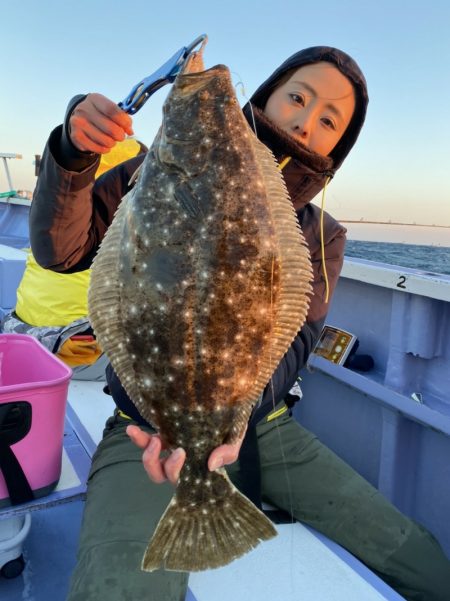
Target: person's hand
(97, 124)
(160, 469)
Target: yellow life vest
(48, 298)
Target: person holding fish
(203, 296)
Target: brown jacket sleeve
(71, 211)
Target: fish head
(199, 113)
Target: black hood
(348, 67)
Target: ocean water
(414, 256)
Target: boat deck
(299, 563)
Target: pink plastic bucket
(34, 378)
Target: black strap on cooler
(15, 423)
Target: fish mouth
(192, 82)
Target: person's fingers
(138, 436)
(152, 463)
(83, 141)
(98, 127)
(224, 455)
(159, 469)
(112, 111)
(97, 124)
(173, 464)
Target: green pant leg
(122, 510)
(301, 475)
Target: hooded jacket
(70, 212)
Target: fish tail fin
(209, 533)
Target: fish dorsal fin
(295, 265)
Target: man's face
(314, 106)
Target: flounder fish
(198, 289)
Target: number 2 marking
(401, 282)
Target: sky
(398, 170)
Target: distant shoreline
(425, 235)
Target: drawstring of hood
(281, 166)
(283, 163)
(322, 242)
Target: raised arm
(71, 211)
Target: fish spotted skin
(205, 278)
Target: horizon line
(391, 223)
